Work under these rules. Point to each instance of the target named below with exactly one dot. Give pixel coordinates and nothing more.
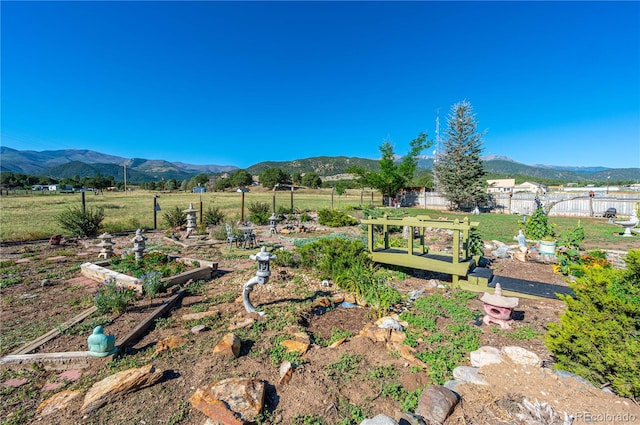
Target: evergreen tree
(459, 170)
(312, 180)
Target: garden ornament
(498, 308)
(138, 244)
(262, 276)
(101, 345)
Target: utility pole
(435, 150)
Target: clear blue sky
(236, 83)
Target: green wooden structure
(457, 263)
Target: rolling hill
(75, 162)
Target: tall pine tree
(459, 169)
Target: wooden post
(84, 202)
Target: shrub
(334, 218)
(259, 212)
(285, 258)
(331, 256)
(152, 283)
(112, 298)
(362, 279)
(213, 216)
(597, 336)
(81, 222)
(537, 226)
(175, 218)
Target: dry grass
(33, 216)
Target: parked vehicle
(610, 213)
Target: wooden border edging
(144, 325)
(50, 361)
(25, 349)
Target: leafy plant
(331, 256)
(174, 218)
(333, 218)
(598, 333)
(113, 298)
(286, 258)
(213, 216)
(345, 368)
(538, 227)
(152, 283)
(259, 212)
(81, 222)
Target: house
(199, 189)
(531, 187)
(501, 185)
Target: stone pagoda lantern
(191, 219)
(138, 244)
(262, 276)
(273, 223)
(498, 308)
(106, 246)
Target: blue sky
(236, 83)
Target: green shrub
(331, 256)
(304, 217)
(362, 280)
(333, 218)
(285, 258)
(476, 244)
(598, 336)
(213, 216)
(174, 218)
(113, 298)
(259, 212)
(537, 226)
(152, 283)
(81, 222)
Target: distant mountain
(79, 162)
(322, 165)
(205, 168)
(86, 163)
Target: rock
(453, 384)
(45, 282)
(169, 343)
(407, 353)
(71, 375)
(56, 402)
(286, 371)
(436, 403)
(14, 382)
(337, 298)
(501, 252)
(55, 240)
(565, 374)
(228, 346)
(198, 316)
(232, 401)
(469, 375)
(375, 333)
(322, 302)
(118, 385)
(240, 322)
(198, 329)
(484, 356)
(411, 419)
(51, 386)
(520, 355)
(379, 420)
(389, 323)
(293, 346)
(338, 342)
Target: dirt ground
(50, 293)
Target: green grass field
(33, 216)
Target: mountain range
(65, 163)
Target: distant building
(501, 185)
(531, 187)
(199, 189)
